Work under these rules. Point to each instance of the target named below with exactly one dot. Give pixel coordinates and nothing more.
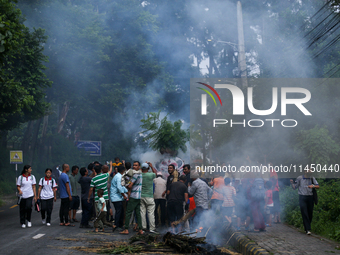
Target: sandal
(124, 232)
(62, 224)
(69, 225)
(75, 220)
(114, 228)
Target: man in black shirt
(186, 171)
(178, 194)
(86, 206)
(173, 177)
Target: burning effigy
(162, 165)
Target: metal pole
(242, 65)
(16, 176)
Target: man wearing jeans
(147, 202)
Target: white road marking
(79, 211)
(19, 239)
(38, 236)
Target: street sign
(16, 157)
(91, 147)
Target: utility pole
(242, 65)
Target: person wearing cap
(201, 193)
(147, 203)
(160, 187)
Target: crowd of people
(121, 194)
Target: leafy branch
(163, 135)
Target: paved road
(57, 239)
(281, 239)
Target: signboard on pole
(16, 157)
(94, 148)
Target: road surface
(40, 238)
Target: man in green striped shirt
(100, 182)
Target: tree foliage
(112, 62)
(318, 145)
(326, 213)
(22, 96)
(164, 136)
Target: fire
(199, 230)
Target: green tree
(318, 145)
(164, 136)
(21, 70)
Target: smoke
(185, 35)
(277, 47)
(148, 156)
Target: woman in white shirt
(26, 189)
(47, 193)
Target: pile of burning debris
(172, 243)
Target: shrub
(326, 216)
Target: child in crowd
(102, 212)
(47, 193)
(269, 204)
(228, 205)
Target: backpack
(42, 186)
(23, 177)
(258, 191)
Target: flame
(199, 230)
